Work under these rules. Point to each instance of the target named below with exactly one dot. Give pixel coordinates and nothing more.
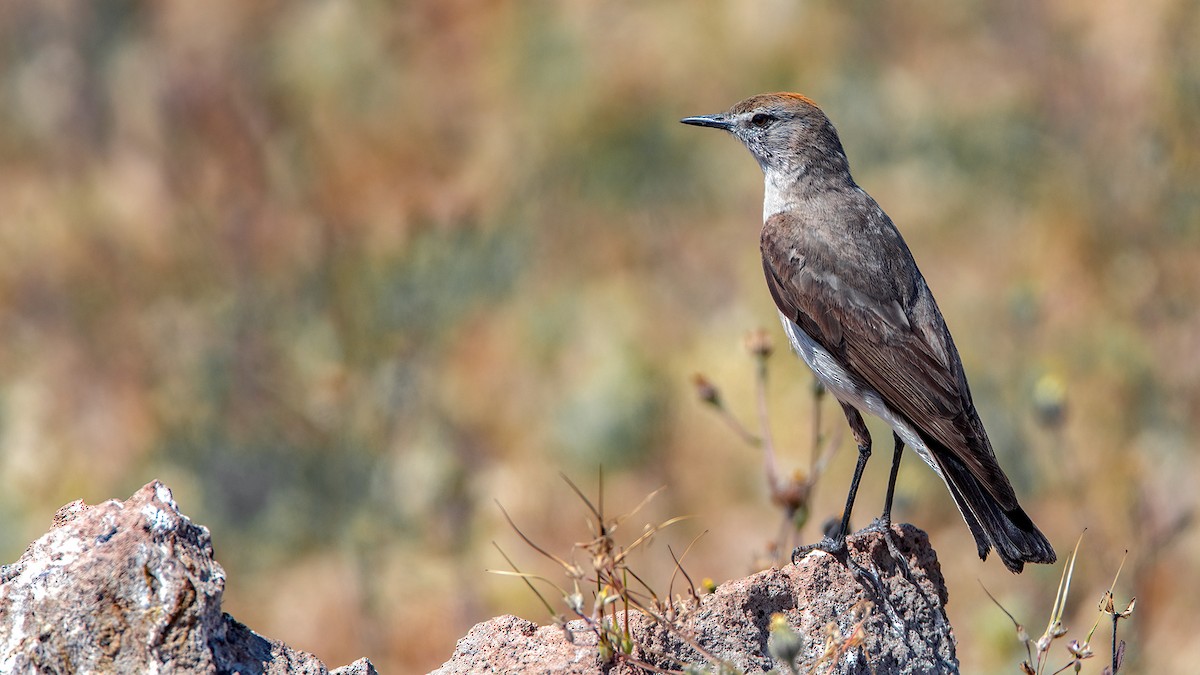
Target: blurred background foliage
(343, 274)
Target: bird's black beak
(714, 121)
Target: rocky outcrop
(131, 587)
(878, 610)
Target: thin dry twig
(563, 563)
(710, 395)
(793, 494)
(526, 578)
(609, 617)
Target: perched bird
(858, 311)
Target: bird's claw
(879, 525)
(830, 545)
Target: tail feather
(1010, 531)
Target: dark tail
(1014, 536)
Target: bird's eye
(761, 120)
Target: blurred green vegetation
(343, 274)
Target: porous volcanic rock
(892, 598)
(131, 587)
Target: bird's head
(786, 133)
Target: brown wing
(867, 304)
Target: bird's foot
(880, 524)
(831, 545)
(883, 526)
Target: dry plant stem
(764, 423)
(1068, 664)
(1107, 606)
(596, 512)
(1013, 619)
(663, 621)
(681, 634)
(1115, 664)
(814, 461)
(1054, 627)
(827, 453)
(650, 532)
(563, 563)
(526, 578)
(713, 398)
(611, 576)
(790, 494)
(625, 582)
(1064, 587)
(679, 568)
(767, 442)
(821, 456)
(747, 437)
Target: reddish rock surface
(905, 630)
(131, 587)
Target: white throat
(778, 193)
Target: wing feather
(875, 314)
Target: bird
(857, 310)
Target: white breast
(848, 388)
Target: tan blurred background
(343, 274)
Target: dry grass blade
(607, 569)
(996, 602)
(650, 532)
(1037, 653)
(1022, 635)
(571, 569)
(679, 568)
(1064, 587)
(636, 598)
(1108, 599)
(1108, 606)
(597, 513)
(645, 500)
(526, 578)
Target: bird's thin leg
(886, 518)
(837, 542)
(863, 438)
(883, 524)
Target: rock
(359, 667)
(508, 644)
(131, 587)
(878, 614)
